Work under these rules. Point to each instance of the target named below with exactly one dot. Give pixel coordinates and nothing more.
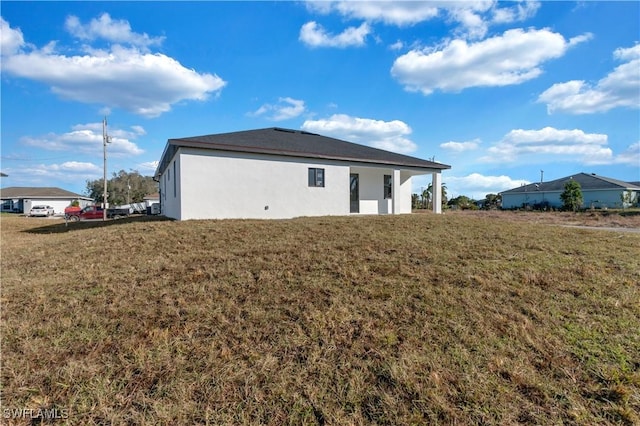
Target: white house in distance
(20, 199)
(597, 192)
(279, 173)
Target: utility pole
(105, 140)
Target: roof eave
(177, 143)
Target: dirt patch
(598, 218)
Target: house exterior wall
(516, 201)
(372, 199)
(149, 201)
(404, 201)
(58, 204)
(602, 199)
(9, 205)
(591, 198)
(209, 184)
(220, 185)
(170, 185)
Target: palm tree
(443, 188)
(443, 191)
(426, 197)
(414, 201)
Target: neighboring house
(597, 192)
(151, 199)
(281, 173)
(152, 203)
(17, 199)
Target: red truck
(75, 214)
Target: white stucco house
(597, 192)
(20, 199)
(279, 173)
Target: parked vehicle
(140, 208)
(72, 211)
(45, 211)
(94, 212)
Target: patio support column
(436, 189)
(395, 192)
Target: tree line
(424, 200)
(571, 198)
(131, 187)
(123, 188)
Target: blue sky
(499, 91)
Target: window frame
(387, 187)
(316, 177)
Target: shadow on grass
(68, 226)
(628, 213)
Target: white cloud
(521, 11)
(477, 186)
(473, 16)
(75, 167)
(70, 172)
(511, 58)
(139, 130)
(397, 45)
(627, 54)
(387, 135)
(574, 41)
(285, 109)
(389, 12)
(148, 166)
(630, 156)
(117, 31)
(314, 35)
(619, 89)
(461, 146)
(87, 139)
(554, 144)
(473, 26)
(10, 40)
(552, 135)
(144, 83)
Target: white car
(41, 211)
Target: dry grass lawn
(419, 319)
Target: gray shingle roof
(586, 181)
(38, 192)
(295, 143)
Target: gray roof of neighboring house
(38, 192)
(294, 143)
(586, 181)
